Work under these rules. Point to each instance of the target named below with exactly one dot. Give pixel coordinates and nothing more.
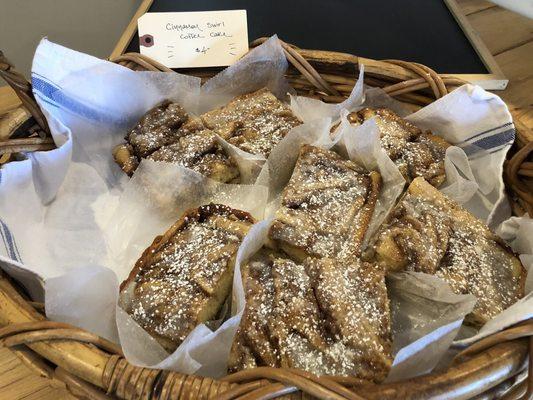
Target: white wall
(91, 26)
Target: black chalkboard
(424, 31)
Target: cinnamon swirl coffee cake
(326, 206)
(253, 122)
(167, 133)
(323, 316)
(185, 275)
(415, 153)
(428, 232)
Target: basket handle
(23, 89)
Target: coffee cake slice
(415, 153)
(253, 345)
(321, 316)
(326, 206)
(158, 127)
(184, 277)
(429, 232)
(200, 152)
(254, 122)
(167, 133)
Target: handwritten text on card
(194, 39)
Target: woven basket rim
(88, 363)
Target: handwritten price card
(194, 39)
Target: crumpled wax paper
(426, 317)
(154, 198)
(309, 109)
(479, 123)
(362, 144)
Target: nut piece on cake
(326, 206)
(322, 316)
(428, 232)
(414, 152)
(185, 276)
(254, 122)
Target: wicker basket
(93, 368)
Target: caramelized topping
(430, 233)
(185, 276)
(414, 152)
(326, 206)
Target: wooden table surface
(509, 38)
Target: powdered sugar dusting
(173, 290)
(200, 152)
(158, 127)
(439, 237)
(254, 122)
(327, 201)
(415, 153)
(321, 316)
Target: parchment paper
(426, 317)
(151, 202)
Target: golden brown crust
(415, 153)
(201, 152)
(254, 122)
(428, 232)
(184, 276)
(167, 133)
(124, 157)
(323, 316)
(326, 206)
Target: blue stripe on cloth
(499, 139)
(57, 97)
(489, 142)
(5, 243)
(9, 242)
(16, 246)
(44, 87)
(485, 132)
(44, 78)
(46, 100)
(497, 150)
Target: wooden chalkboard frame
(494, 80)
